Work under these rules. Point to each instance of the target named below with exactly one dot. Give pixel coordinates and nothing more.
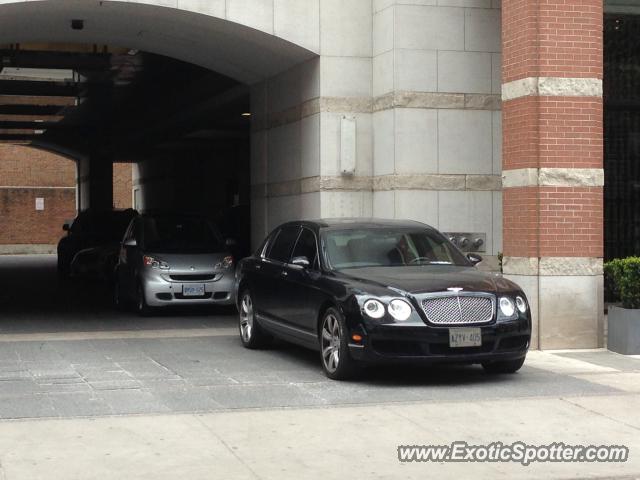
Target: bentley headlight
(507, 307)
(521, 304)
(399, 309)
(374, 308)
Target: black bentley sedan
(366, 291)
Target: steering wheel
(419, 259)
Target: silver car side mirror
(302, 262)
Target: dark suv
(91, 229)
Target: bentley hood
(431, 278)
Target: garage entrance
(177, 93)
(168, 89)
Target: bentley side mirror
(302, 262)
(474, 258)
(131, 243)
(66, 227)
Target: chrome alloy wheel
(331, 341)
(246, 318)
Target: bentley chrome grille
(460, 309)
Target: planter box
(624, 331)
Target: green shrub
(624, 273)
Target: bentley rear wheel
(251, 333)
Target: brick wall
(571, 222)
(554, 38)
(553, 222)
(22, 224)
(23, 167)
(552, 165)
(561, 39)
(560, 132)
(29, 173)
(122, 185)
(520, 222)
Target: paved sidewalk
(346, 441)
(90, 393)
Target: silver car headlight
(399, 309)
(374, 308)
(154, 263)
(225, 264)
(507, 307)
(521, 304)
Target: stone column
(436, 116)
(309, 120)
(95, 182)
(552, 165)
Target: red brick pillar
(552, 165)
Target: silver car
(173, 260)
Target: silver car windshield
(168, 234)
(386, 247)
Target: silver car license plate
(465, 337)
(196, 290)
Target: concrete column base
(27, 249)
(566, 297)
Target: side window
(138, 230)
(127, 233)
(264, 246)
(282, 246)
(307, 247)
(77, 225)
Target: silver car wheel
(116, 294)
(331, 341)
(140, 299)
(246, 318)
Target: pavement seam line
(226, 445)
(118, 334)
(566, 400)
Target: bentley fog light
(374, 308)
(507, 307)
(399, 309)
(521, 304)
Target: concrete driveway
(87, 392)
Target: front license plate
(465, 337)
(193, 290)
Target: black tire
(63, 268)
(335, 358)
(251, 332)
(143, 309)
(507, 366)
(119, 300)
(109, 274)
